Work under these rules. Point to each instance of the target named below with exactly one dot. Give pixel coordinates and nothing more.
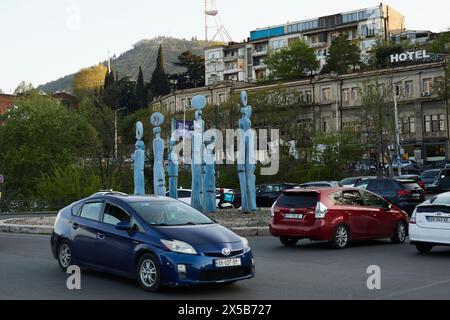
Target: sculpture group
(203, 193)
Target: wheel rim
(401, 232)
(65, 255)
(148, 273)
(341, 236)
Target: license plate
(439, 219)
(293, 216)
(225, 263)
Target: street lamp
(116, 138)
(397, 129)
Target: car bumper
(409, 207)
(428, 235)
(202, 270)
(320, 230)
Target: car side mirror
(389, 207)
(124, 226)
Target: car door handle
(100, 236)
(75, 226)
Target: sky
(44, 40)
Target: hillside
(127, 64)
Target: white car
(430, 224)
(351, 182)
(184, 195)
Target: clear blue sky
(42, 41)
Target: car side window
(363, 185)
(92, 211)
(376, 185)
(114, 215)
(184, 194)
(350, 198)
(373, 201)
(77, 208)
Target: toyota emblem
(226, 251)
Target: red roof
(6, 102)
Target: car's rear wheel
(424, 248)
(341, 237)
(399, 233)
(148, 273)
(65, 255)
(289, 241)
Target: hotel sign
(410, 56)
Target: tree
(195, 74)
(111, 91)
(160, 82)
(380, 54)
(89, 80)
(441, 44)
(295, 61)
(37, 136)
(128, 94)
(142, 97)
(343, 56)
(23, 88)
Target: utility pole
(397, 131)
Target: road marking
(24, 235)
(398, 293)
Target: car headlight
(179, 246)
(245, 243)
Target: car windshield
(430, 174)
(173, 213)
(410, 185)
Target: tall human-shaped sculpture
(210, 173)
(173, 164)
(197, 195)
(139, 161)
(159, 176)
(246, 158)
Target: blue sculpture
(173, 165)
(210, 175)
(139, 161)
(246, 161)
(197, 194)
(159, 176)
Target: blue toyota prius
(156, 240)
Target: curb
(47, 230)
(24, 229)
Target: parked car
(430, 224)
(365, 165)
(320, 184)
(156, 240)
(184, 195)
(351, 182)
(403, 193)
(429, 177)
(336, 215)
(266, 194)
(414, 177)
(442, 183)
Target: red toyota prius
(336, 215)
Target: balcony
(230, 58)
(233, 70)
(318, 45)
(260, 67)
(259, 53)
(435, 135)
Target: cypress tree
(141, 91)
(160, 82)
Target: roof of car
(131, 198)
(318, 189)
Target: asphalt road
(309, 271)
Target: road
(309, 271)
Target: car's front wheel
(148, 273)
(289, 241)
(341, 237)
(65, 255)
(399, 233)
(424, 248)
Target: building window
(427, 85)
(325, 126)
(346, 95)
(381, 90)
(189, 102)
(354, 95)
(408, 88)
(222, 97)
(213, 55)
(398, 90)
(304, 126)
(408, 125)
(435, 123)
(326, 94)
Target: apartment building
(333, 104)
(6, 102)
(362, 26)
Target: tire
(289, 241)
(399, 233)
(341, 237)
(65, 255)
(424, 248)
(148, 273)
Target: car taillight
(403, 193)
(274, 210)
(321, 210)
(422, 185)
(413, 217)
